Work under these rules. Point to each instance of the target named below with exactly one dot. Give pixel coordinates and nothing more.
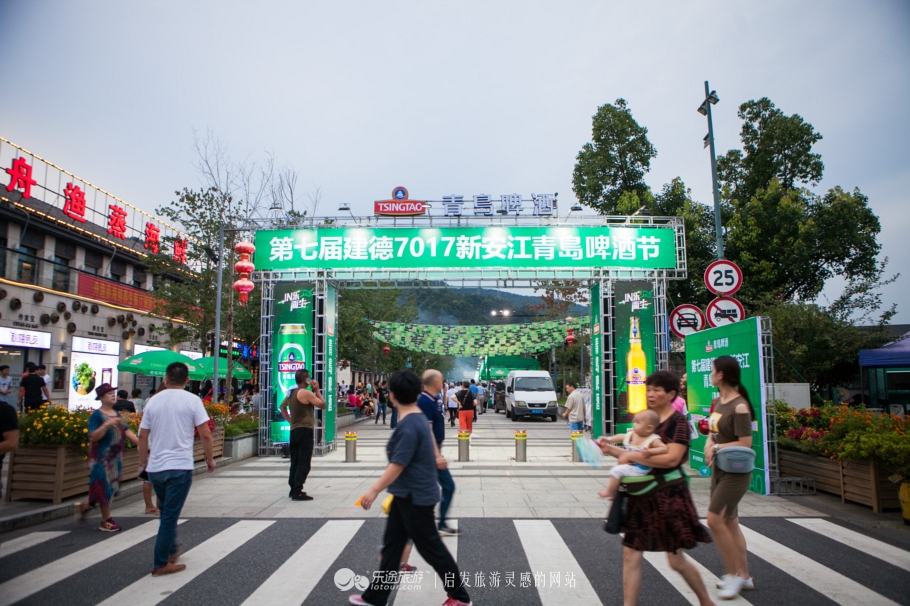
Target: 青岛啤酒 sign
(468, 247)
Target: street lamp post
(704, 109)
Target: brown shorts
(727, 489)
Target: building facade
(74, 292)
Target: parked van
(530, 393)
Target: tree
(355, 337)
(616, 162)
(775, 146)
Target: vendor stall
(885, 376)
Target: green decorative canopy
(467, 341)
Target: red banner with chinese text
(111, 292)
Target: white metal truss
(322, 444)
(267, 399)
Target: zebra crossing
(292, 562)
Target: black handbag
(616, 518)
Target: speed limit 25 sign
(723, 277)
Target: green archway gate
(625, 261)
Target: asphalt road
(791, 563)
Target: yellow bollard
(350, 447)
(464, 446)
(576, 435)
(521, 446)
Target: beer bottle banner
(635, 348)
(292, 346)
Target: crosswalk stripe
(295, 579)
(30, 540)
(547, 552)
(660, 563)
(875, 548)
(822, 579)
(432, 588)
(150, 590)
(40, 578)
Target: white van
(530, 393)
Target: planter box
(242, 447)
(54, 473)
(861, 482)
(217, 446)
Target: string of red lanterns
(244, 267)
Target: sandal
(154, 510)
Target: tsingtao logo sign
(399, 205)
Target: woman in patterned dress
(107, 432)
(666, 518)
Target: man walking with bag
(169, 420)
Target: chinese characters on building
(544, 205)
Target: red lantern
(570, 338)
(386, 350)
(244, 287)
(244, 267)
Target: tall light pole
(704, 109)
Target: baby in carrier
(641, 439)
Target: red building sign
(111, 292)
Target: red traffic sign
(686, 320)
(724, 310)
(723, 277)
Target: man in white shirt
(575, 408)
(42, 372)
(452, 403)
(169, 420)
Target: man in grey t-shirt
(575, 408)
(6, 384)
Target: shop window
(61, 274)
(27, 271)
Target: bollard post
(464, 446)
(350, 447)
(576, 435)
(521, 446)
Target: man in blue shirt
(428, 404)
(411, 478)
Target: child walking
(641, 439)
(411, 478)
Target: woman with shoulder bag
(663, 518)
(730, 426)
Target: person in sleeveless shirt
(664, 519)
(302, 403)
(730, 424)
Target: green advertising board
(742, 341)
(597, 362)
(328, 390)
(467, 247)
(635, 348)
(292, 346)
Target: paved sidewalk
(492, 485)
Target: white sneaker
(748, 585)
(732, 585)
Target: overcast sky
(452, 97)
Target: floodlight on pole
(704, 109)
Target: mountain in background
(472, 306)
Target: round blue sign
(704, 471)
(400, 193)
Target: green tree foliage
(355, 337)
(814, 345)
(189, 292)
(615, 162)
(775, 146)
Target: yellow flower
(85, 431)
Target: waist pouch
(640, 486)
(735, 459)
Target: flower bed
(860, 456)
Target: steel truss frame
(389, 278)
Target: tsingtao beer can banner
(635, 348)
(743, 342)
(292, 346)
(467, 247)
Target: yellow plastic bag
(387, 504)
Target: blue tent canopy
(892, 355)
